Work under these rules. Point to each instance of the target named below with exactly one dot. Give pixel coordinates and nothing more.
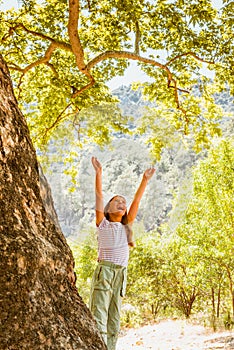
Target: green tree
(145, 283)
(61, 55)
(208, 225)
(192, 267)
(163, 276)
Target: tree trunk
(213, 317)
(218, 301)
(40, 307)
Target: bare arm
(138, 195)
(98, 191)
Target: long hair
(124, 221)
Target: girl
(114, 238)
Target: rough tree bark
(40, 307)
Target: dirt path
(175, 335)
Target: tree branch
(176, 95)
(74, 35)
(134, 56)
(60, 44)
(45, 59)
(137, 38)
(59, 118)
(78, 92)
(77, 49)
(190, 53)
(124, 54)
(51, 66)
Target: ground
(175, 335)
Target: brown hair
(124, 221)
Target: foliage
(208, 226)
(145, 275)
(160, 268)
(85, 255)
(61, 56)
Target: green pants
(108, 288)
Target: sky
(6, 4)
(132, 73)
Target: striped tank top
(112, 242)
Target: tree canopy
(62, 54)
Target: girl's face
(118, 205)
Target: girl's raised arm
(98, 191)
(138, 195)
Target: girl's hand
(96, 164)
(149, 173)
